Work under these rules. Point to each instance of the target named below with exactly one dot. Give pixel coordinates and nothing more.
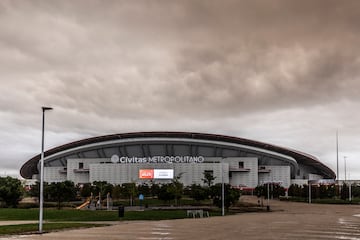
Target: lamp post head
(46, 108)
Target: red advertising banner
(146, 173)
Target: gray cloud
(278, 71)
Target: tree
(34, 190)
(232, 195)
(116, 192)
(305, 191)
(154, 189)
(208, 178)
(144, 189)
(62, 191)
(10, 191)
(274, 191)
(198, 192)
(326, 191)
(177, 188)
(86, 190)
(102, 187)
(344, 194)
(355, 190)
(295, 190)
(165, 193)
(129, 190)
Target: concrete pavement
(287, 220)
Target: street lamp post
(348, 179)
(41, 202)
(337, 157)
(349, 191)
(222, 189)
(268, 197)
(309, 191)
(345, 168)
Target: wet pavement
(287, 220)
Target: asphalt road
(286, 221)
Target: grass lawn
(32, 228)
(69, 215)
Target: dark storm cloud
(281, 78)
(199, 56)
(272, 57)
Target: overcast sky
(282, 72)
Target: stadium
(161, 156)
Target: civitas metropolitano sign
(158, 159)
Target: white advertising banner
(156, 173)
(163, 173)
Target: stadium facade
(159, 156)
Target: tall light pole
(345, 167)
(349, 178)
(268, 197)
(337, 155)
(222, 189)
(309, 191)
(41, 202)
(337, 164)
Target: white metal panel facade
(124, 173)
(277, 174)
(238, 171)
(53, 174)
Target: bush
(231, 195)
(10, 191)
(274, 191)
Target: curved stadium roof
(248, 147)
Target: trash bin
(121, 211)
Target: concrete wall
(246, 178)
(52, 174)
(280, 174)
(80, 176)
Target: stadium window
(230, 174)
(241, 164)
(211, 172)
(81, 165)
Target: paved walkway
(286, 221)
(3, 223)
